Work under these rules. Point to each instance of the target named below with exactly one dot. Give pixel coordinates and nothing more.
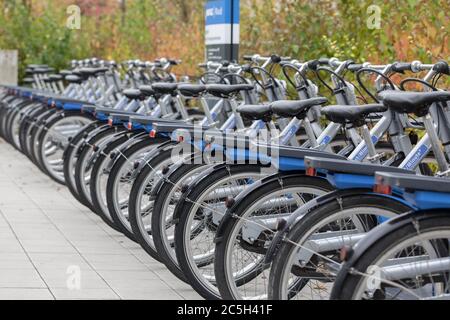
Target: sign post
(9, 62)
(222, 30)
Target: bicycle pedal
(376, 157)
(229, 202)
(165, 170)
(445, 173)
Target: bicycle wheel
(243, 239)
(198, 215)
(140, 204)
(34, 133)
(163, 225)
(23, 122)
(14, 120)
(120, 181)
(54, 138)
(5, 105)
(307, 262)
(70, 157)
(7, 121)
(99, 175)
(83, 166)
(407, 258)
(28, 124)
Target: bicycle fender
(380, 231)
(302, 211)
(150, 155)
(174, 167)
(115, 154)
(309, 206)
(228, 216)
(194, 185)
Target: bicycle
(324, 213)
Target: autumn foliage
(145, 29)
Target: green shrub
(409, 30)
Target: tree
(185, 9)
(123, 9)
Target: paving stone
(20, 278)
(84, 294)
(25, 294)
(48, 241)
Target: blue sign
(221, 12)
(222, 30)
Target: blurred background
(145, 29)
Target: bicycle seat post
(180, 107)
(310, 132)
(436, 145)
(373, 156)
(234, 106)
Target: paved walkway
(51, 247)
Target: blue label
(415, 159)
(222, 12)
(325, 140)
(72, 106)
(230, 124)
(362, 154)
(258, 125)
(291, 132)
(101, 116)
(350, 181)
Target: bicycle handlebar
(277, 59)
(217, 65)
(313, 64)
(174, 62)
(442, 67)
(417, 66)
(260, 59)
(401, 67)
(354, 67)
(323, 61)
(210, 65)
(232, 68)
